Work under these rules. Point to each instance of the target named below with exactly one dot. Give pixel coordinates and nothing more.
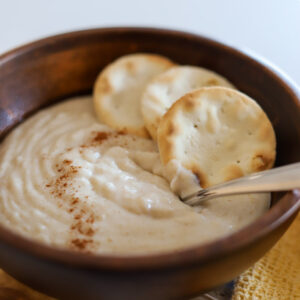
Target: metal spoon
(278, 179)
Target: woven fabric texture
(277, 275)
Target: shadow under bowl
(55, 68)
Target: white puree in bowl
(69, 181)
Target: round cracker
(169, 86)
(217, 133)
(118, 89)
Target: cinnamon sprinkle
(83, 216)
(67, 161)
(100, 136)
(62, 188)
(81, 244)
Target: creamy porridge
(69, 181)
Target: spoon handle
(277, 179)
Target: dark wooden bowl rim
(196, 255)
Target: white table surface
(269, 28)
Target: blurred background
(267, 28)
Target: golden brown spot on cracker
(105, 85)
(130, 67)
(172, 129)
(166, 147)
(232, 172)
(210, 124)
(262, 161)
(144, 133)
(211, 82)
(200, 176)
(229, 94)
(189, 103)
(124, 130)
(121, 132)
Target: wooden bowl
(58, 67)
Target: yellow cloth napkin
(277, 275)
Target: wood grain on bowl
(49, 70)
